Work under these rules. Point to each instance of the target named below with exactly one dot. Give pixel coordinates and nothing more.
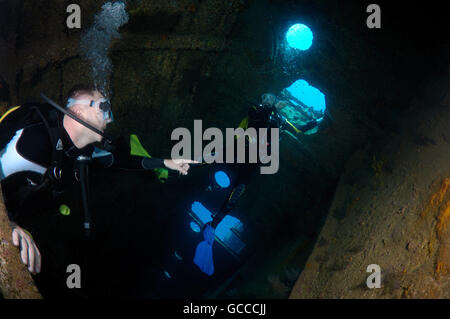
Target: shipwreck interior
(369, 186)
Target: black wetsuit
(27, 156)
(262, 116)
(33, 197)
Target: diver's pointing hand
(29, 252)
(180, 165)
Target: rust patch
(443, 221)
(437, 198)
(443, 232)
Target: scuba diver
(268, 115)
(43, 151)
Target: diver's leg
(245, 172)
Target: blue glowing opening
(222, 179)
(308, 95)
(195, 227)
(201, 212)
(299, 36)
(226, 235)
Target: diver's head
(268, 99)
(272, 100)
(90, 105)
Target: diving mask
(104, 106)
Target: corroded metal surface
(15, 280)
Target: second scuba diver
(264, 115)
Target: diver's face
(93, 114)
(268, 99)
(97, 114)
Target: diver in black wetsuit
(265, 115)
(37, 159)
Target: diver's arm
(134, 162)
(180, 165)
(129, 162)
(299, 129)
(29, 253)
(308, 126)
